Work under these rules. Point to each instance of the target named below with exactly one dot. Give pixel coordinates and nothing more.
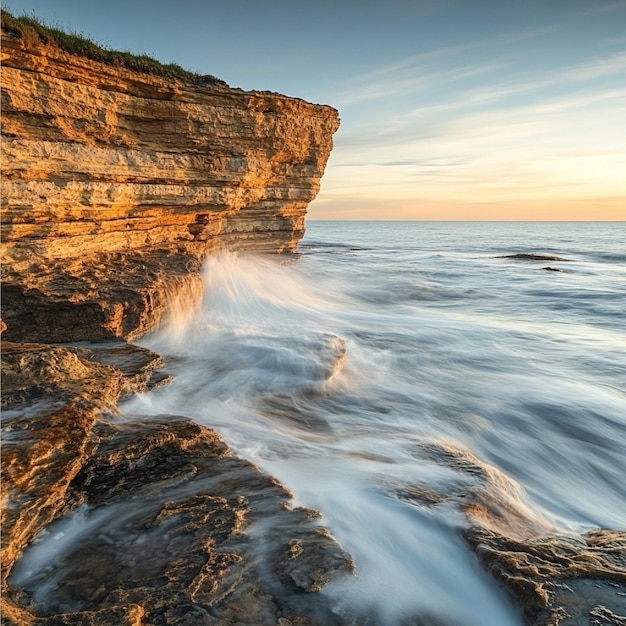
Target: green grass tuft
(32, 29)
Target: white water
(443, 343)
(339, 372)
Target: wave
(406, 402)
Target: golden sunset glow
(449, 110)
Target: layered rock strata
(117, 183)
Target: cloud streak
(406, 75)
(555, 149)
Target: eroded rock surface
(179, 530)
(560, 580)
(116, 184)
(51, 400)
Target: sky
(450, 109)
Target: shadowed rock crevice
(106, 296)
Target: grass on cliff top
(33, 30)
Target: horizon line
(546, 221)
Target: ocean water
(348, 374)
(358, 372)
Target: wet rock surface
(177, 530)
(171, 528)
(557, 579)
(566, 580)
(51, 399)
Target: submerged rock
(525, 256)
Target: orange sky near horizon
(560, 157)
(414, 209)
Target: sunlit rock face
(116, 184)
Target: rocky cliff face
(117, 183)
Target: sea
(356, 370)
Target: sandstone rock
(116, 184)
(193, 508)
(97, 297)
(188, 533)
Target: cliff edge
(117, 183)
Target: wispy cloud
(409, 74)
(609, 7)
(488, 123)
(411, 78)
(498, 99)
(557, 148)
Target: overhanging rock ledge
(117, 183)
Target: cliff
(117, 183)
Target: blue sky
(450, 109)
